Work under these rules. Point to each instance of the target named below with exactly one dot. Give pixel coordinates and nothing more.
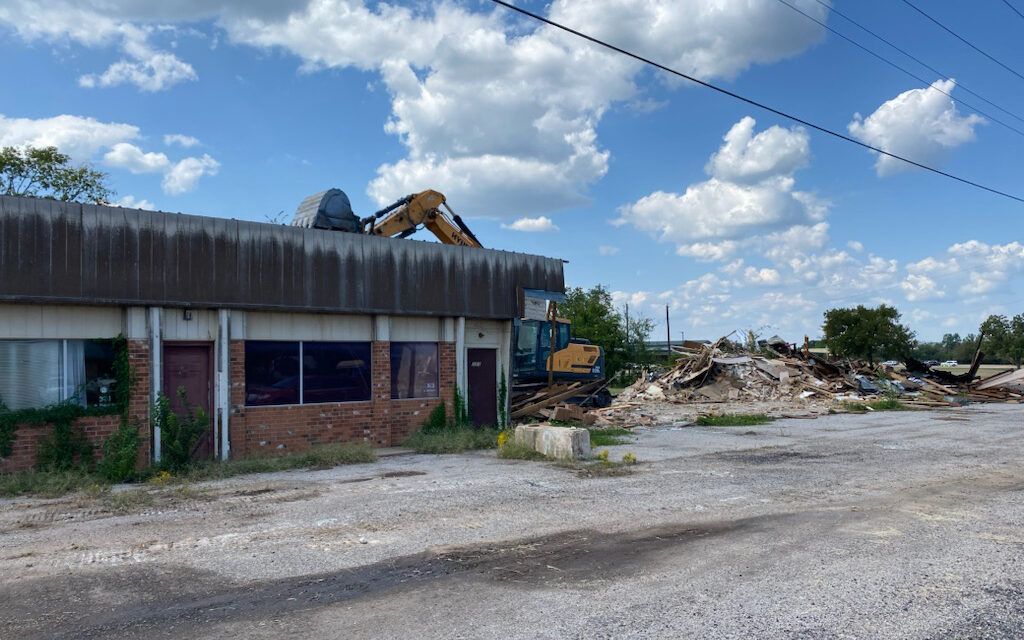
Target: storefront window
(38, 373)
(414, 370)
(271, 373)
(335, 372)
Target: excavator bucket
(329, 209)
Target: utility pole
(668, 334)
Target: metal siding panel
(62, 252)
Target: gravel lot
(894, 525)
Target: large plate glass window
(335, 372)
(414, 370)
(38, 373)
(271, 373)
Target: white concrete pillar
(156, 369)
(460, 355)
(223, 395)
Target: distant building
(287, 337)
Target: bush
(437, 420)
(120, 451)
(178, 434)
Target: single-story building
(285, 336)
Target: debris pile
(720, 373)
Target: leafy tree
(594, 317)
(45, 172)
(864, 332)
(1004, 337)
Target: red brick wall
(380, 421)
(95, 428)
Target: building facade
(285, 337)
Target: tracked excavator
(573, 360)
(332, 210)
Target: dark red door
(189, 367)
(483, 388)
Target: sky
(663, 191)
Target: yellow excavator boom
(424, 208)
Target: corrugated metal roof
(62, 252)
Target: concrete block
(563, 443)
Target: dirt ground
(894, 525)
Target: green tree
(594, 317)
(45, 172)
(1004, 338)
(868, 333)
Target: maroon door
(483, 389)
(190, 366)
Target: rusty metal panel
(71, 253)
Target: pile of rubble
(720, 373)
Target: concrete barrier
(563, 443)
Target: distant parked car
(890, 363)
(950, 363)
(931, 363)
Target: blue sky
(667, 193)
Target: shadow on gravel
(145, 602)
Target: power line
(898, 67)
(749, 101)
(915, 58)
(961, 39)
(1015, 9)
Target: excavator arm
(403, 217)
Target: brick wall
(380, 421)
(95, 428)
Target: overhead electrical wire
(960, 38)
(924, 64)
(898, 67)
(1015, 9)
(752, 102)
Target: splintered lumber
(574, 390)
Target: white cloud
(750, 193)
(855, 245)
(155, 71)
(921, 124)
(502, 116)
(747, 159)
(541, 223)
(125, 155)
(184, 175)
(498, 113)
(634, 299)
(131, 202)
(607, 250)
(917, 287)
(81, 138)
(764, 276)
(85, 138)
(180, 139)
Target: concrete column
(223, 395)
(460, 355)
(156, 369)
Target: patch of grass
(129, 501)
(512, 450)
(734, 420)
(609, 437)
(321, 456)
(597, 469)
(452, 440)
(43, 484)
(885, 404)
(52, 484)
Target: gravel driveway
(886, 525)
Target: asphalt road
(887, 525)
